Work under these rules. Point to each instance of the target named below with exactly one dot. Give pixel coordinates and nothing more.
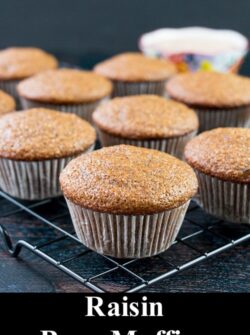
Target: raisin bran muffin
(221, 160)
(146, 121)
(220, 100)
(35, 145)
(67, 90)
(7, 103)
(19, 63)
(127, 202)
(133, 73)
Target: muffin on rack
(146, 121)
(18, 63)
(7, 103)
(35, 145)
(219, 99)
(128, 202)
(221, 160)
(133, 73)
(67, 90)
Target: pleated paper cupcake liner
(122, 88)
(84, 111)
(9, 86)
(214, 118)
(226, 200)
(127, 236)
(173, 146)
(32, 180)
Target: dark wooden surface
(228, 272)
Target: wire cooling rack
(200, 238)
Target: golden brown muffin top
(144, 117)
(7, 103)
(39, 134)
(20, 63)
(125, 179)
(65, 86)
(134, 67)
(210, 89)
(223, 153)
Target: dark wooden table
(227, 272)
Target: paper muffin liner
(173, 146)
(84, 111)
(9, 86)
(127, 236)
(33, 180)
(214, 118)
(122, 88)
(224, 199)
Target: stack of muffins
(128, 199)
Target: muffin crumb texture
(128, 180)
(135, 67)
(39, 134)
(7, 103)
(145, 117)
(210, 89)
(19, 63)
(223, 153)
(65, 86)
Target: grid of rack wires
(53, 239)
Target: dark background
(86, 31)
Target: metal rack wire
(200, 238)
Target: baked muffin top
(7, 103)
(125, 179)
(223, 153)
(144, 117)
(20, 63)
(39, 134)
(210, 89)
(65, 86)
(134, 66)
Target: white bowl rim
(152, 41)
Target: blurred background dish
(197, 48)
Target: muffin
(221, 160)
(220, 100)
(35, 145)
(19, 63)
(127, 202)
(146, 121)
(7, 103)
(67, 90)
(132, 73)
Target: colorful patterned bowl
(197, 48)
